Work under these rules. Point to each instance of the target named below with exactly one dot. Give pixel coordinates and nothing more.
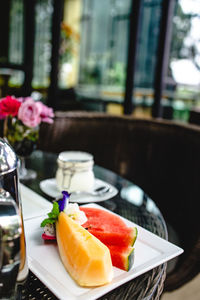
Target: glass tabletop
(132, 203)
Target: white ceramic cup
(75, 171)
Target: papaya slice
(86, 258)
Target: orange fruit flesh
(86, 259)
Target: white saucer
(49, 187)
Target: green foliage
(17, 131)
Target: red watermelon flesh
(109, 228)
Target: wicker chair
(160, 156)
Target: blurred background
(118, 56)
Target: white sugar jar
(75, 171)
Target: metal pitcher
(13, 262)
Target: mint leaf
(55, 209)
(47, 221)
(52, 216)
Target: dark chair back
(161, 157)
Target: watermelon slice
(110, 229)
(122, 257)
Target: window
(42, 47)
(13, 62)
(92, 57)
(184, 63)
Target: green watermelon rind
(131, 258)
(134, 236)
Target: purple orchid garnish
(63, 202)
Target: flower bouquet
(22, 117)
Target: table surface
(132, 203)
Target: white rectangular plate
(45, 263)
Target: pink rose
(46, 113)
(22, 99)
(29, 113)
